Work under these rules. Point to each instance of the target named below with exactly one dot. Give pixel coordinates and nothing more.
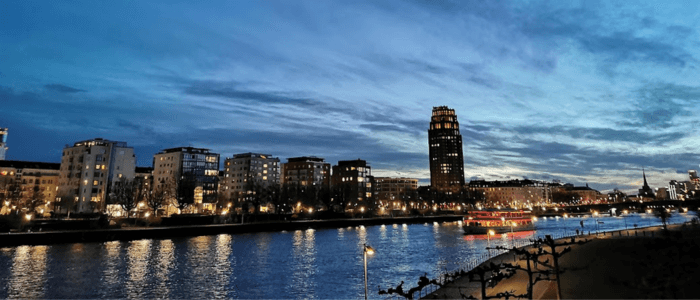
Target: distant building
(662, 193)
(445, 151)
(354, 179)
(393, 192)
(24, 179)
(682, 190)
(3, 143)
(186, 170)
(306, 171)
(646, 192)
(89, 168)
(512, 193)
(693, 176)
(247, 172)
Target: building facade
(512, 193)
(306, 171)
(353, 179)
(247, 172)
(26, 185)
(191, 174)
(3, 143)
(394, 193)
(445, 151)
(89, 168)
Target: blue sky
(583, 92)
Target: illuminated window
(94, 182)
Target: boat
(497, 221)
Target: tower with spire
(646, 191)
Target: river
(317, 264)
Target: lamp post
(366, 250)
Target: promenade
(615, 265)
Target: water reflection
(112, 265)
(164, 263)
(137, 255)
(304, 257)
(28, 272)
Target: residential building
(445, 151)
(89, 168)
(190, 174)
(353, 178)
(247, 172)
(24, 181)
(394, 193)
(3, 143)
(306, 171)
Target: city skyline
(583, 93)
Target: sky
(585, 92)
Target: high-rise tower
(3, 143)
(446, 158)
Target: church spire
(646, 186)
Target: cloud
(62, 89)
(229, 91)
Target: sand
(610, 267)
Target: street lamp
(488, 237)
(366, 250)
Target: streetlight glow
(365, 251)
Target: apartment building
(90, 167)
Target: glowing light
(28, 217)
(311, 210)
(492, 233)
(362, 209)
(147, 214)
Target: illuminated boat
(498, 221)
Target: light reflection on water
(315, 264)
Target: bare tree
(124, 193)
(160, 195)
(68, 201)
(36, 199)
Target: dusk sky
(583, 92)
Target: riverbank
(648, 264)
(137, 233)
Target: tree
(663, 214)
(185, 191)
(36, 199)
(68, 201)
(124, 193)
(160, 195)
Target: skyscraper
(3, 143)
(446, 158)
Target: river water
(325, 263)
